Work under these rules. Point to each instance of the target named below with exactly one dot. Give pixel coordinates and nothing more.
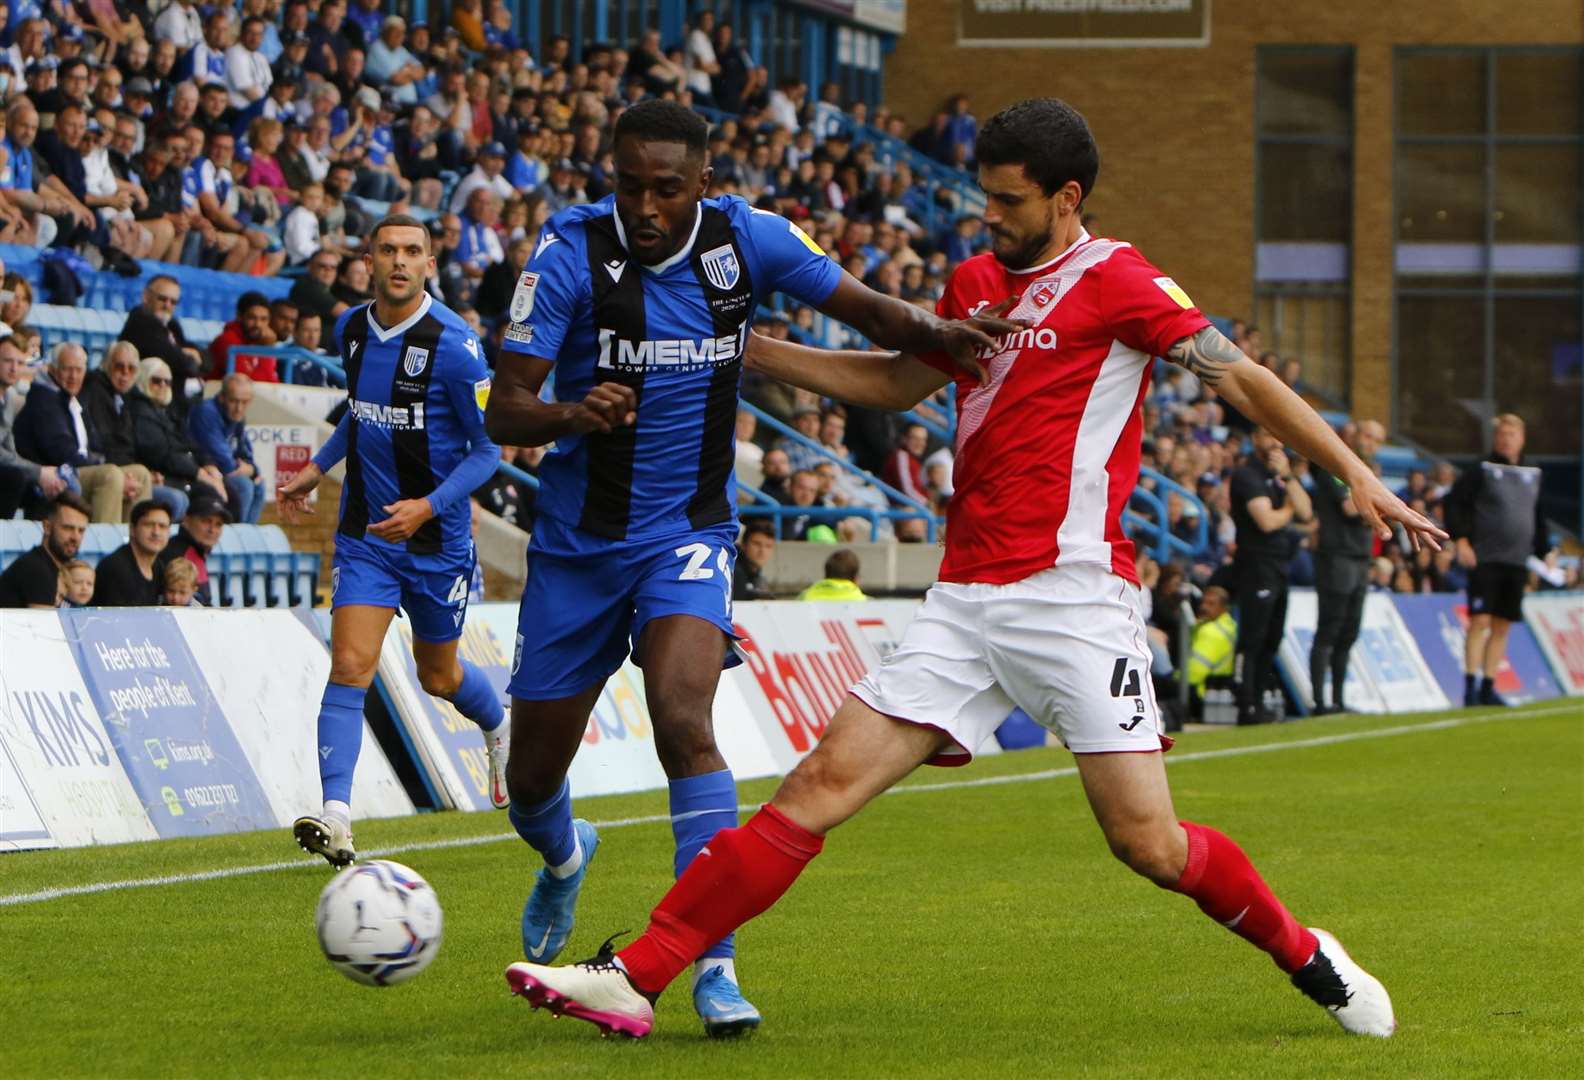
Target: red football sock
(740, 873)
(1225, 885)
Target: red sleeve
(1142, 307)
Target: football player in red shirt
(1037, 605)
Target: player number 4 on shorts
(1125, 683)
(459, 591)
(697, 555)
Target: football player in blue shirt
(415, 448)
(642, 304)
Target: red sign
(289, 461)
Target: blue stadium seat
(229, 558)
(305, 577)
(17, 538)
(255, 558)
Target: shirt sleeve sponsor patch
(803, 236)
(1175, 291)
(481, 390)
(522, 301)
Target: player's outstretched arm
(517, 417)
(1258, 394)
(896, 324)
(874, 380)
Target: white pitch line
(13, 899)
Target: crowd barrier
(138, 724)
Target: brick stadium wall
(1176, 127)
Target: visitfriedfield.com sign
(1083, 23)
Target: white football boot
(329, 837)
(1352, 995)
(596, 990)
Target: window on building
(1304, 220)
(1489, 198)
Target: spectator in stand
(1493, 514)
(106, 398)
(506, 497)
(749, 455)
(200, 531)
(777, 470)
(33, 580)
(154, 330)
(487, 174)
(807, 422)
(244, 247)
(207, 61)
(500, 279)
(480, 246)
(1443, 476)
(786, 102)
(648, 62)
(54, 429)
(391, 65)
(264, 170)
(163, 214)
(179, 583)
(754, 552)
(1266, 499)
(160, 439)
(312, 292)
(1342, 557)
(840, 582)
(247, 69)
(23, 482)
(219, 430)
(352, 283)
(700, 61)
(302, 235)
(179, 24)
(904, 468)
(805, 491)
(250, 327)
(128, 576)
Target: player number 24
(697, 555)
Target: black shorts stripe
(355, 512)
(410, 446)
(618, 307)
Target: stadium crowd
(267, 137)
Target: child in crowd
(302, 225)
(79, 580)
(179, 583)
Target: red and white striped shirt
(1048, 448)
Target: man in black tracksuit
(1493, 514)
(1342, 566)
(1266, 498)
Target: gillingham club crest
(721, 267)
(415, 361)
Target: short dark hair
(147, 507)
(399, 221)
(69, 500)
(1048, 137)
(665, 121)
(250, 300)
(281, 303)
(758, 527)
(842, 565)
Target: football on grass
(379, 923)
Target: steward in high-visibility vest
(1214, 639)
(840, 581)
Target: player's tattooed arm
(1260, 395)
(874, 380)
(1207, 354)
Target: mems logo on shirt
(394, 417)
(675, 354)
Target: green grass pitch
(972, 931)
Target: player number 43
(697, 555)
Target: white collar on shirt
(1083, 238)
(402, 327)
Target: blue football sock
(548, 826)
(702, 806)
(340, 738)
(476, 699)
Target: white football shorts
(1066, 645)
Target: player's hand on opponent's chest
(406, 516)
(607, 407)
(967, 340)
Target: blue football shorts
(587, 600)
(431, 589)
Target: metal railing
(913, 508)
